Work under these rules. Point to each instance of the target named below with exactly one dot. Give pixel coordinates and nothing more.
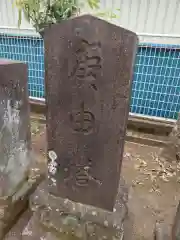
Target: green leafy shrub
(42, 13)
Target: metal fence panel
(156, 88)
(156, 85)
(29, 50)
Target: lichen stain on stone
(70, 220)
(14, 152)
(52, 155)
(52, 165)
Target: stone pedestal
(58, 218)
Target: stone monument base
(11, 207)
(57, 218)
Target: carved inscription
(82, 175)
(88, 65)
(82, 121)
(79, 172)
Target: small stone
(115, 225)
(127, 155)
(66, 201)
(53, 180)
(35, 169)
(106, 224)
(94, 213)
(27, 232)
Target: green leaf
(45, 12)
(94, 4)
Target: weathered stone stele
(14, 126)
(15, 144)
(89, 68)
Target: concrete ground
(153, 185)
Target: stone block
(59, 218)
(17, 180)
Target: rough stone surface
(171, 151)
(58, 218)
(14, 126)
(16, 183)
(15, 232)
(89, 67)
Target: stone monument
(15, 142)
(89, 67)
